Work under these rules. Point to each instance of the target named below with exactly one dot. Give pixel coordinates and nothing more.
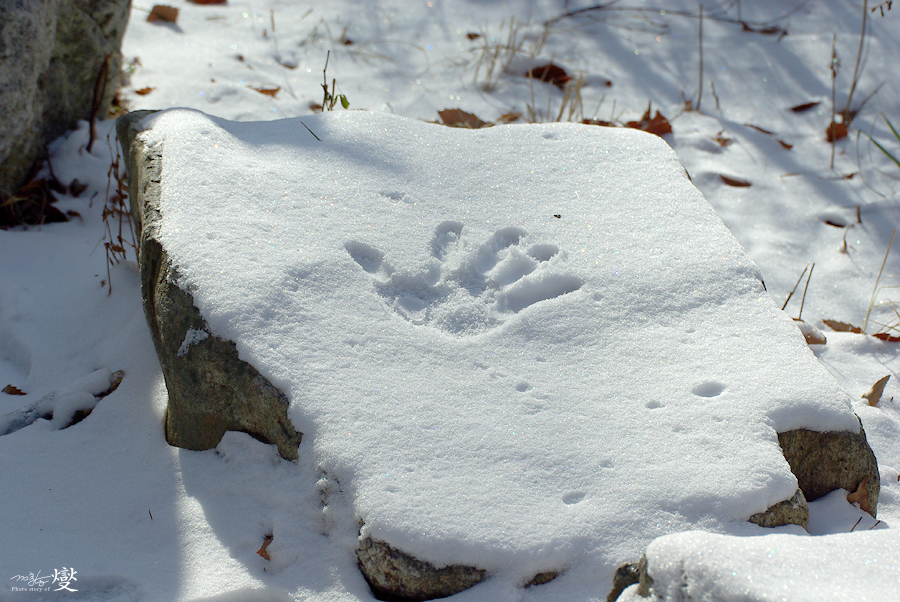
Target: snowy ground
(138, 520)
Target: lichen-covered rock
(627, 574)
(794, 511)
(823, 462)
(52, 54)
(211, 390)
(395, 575)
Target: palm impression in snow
(467, 290)
(536, 352)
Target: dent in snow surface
(522, 348)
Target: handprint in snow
(469, 289)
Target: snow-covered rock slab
(859, 565)
(523, 349)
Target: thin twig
(875, 288)
(834, 70)
(97, 102)
(854, 524)
(862, 38)
(795, 287)
(803, 300)
(700, 42)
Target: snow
(140, 520)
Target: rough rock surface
(823, 462)
(627, 574)
(211, 390)
(789, 512)
(395, 575)
(52, 53)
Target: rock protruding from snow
(395, 575)
(56, 53)
(823, 462)
(789, 512)
(211, 390)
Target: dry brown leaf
(886, 337)
(161, 12)
(550, 73)
(734, 182)
(267, 91)
(835, 132)
(861, 496)
(143, 91)
(758, 129)
(771, 30)
(457, 118)
(13, 390)
(658, 125)
(873, 395)
(810, 333)
(473, 36)
(804, 107)
(598, 122)
(262, 550)
(509, 117)
(76, 188)
(841, 326)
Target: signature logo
(63, 578)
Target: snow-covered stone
(494, 342)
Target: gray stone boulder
(789, 512)
(52, 55)
(823, 462)
(395, 575)
(211, 390)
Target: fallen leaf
(262, 550)
(598, 122)
(841, 326)
(861, 496)
(758, 129)
(143, 91)
(267, 91)
(473, 36)
(509, 117)
(734, 182)
(886, 337)
(772, 30)
(658, 125)
(804, 107)
(76, 188)
(457, 118)
(785, 145)
(810, 333)
(12, 390)
(550, 73)
(873, 395)
(835, 132)
(161, 12)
